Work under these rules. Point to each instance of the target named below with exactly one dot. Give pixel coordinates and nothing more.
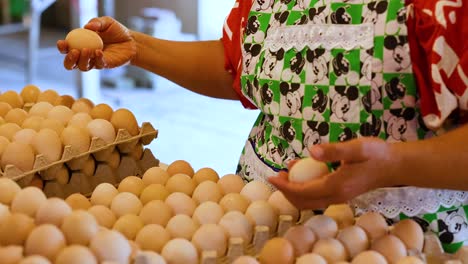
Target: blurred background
(204, 131)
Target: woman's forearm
(197, 66)
(440, 162)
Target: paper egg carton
(98, 148)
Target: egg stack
(48, 137)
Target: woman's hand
(366, 164)
(119, 47)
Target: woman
(332, 71)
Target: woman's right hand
(119, 47)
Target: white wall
(211, 17)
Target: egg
(8, 190)
(331, 249)
(284, 207)
(256, 191)
(369, 257)
(103, 194)
(205, 174)
(65, 100)
(132, 184)
(53, 211)
(410, 260)
(61, 113)
(25, 136)
(261, 213)
(374, 224)
(29, 93)
(89, 166)
(2, 121)
(180, 183)
(207, 191)
(49, 96)
(245, 260)
(180, 251)
(391, 247)
(15, 229)
(210, 237)
(181, 226)
(62, 175)
(4, 212)
(33, 122)
(152, 237)
(155, 175)
(77, 138)
(11, 254)
(102, 111)
(410, 233)
(28, 201)
(208, 213)
(129, 225)
(79, 227)
(307, 169)
(46, 240)
(277, 250)
(19, 155)
(323, 226)
(81, 38)
(154, 192)
(114, 160)
(124, 119)
(16, 115)
(354, 239)
(47, 142)
(8, 130)
(301, 238)
(180, 166)
(126, 203)
(3, 144)
(80, 120)
(137, 152)
(75, 254)
(156, 212)
(237, 225)
(108, 245)
(103, 215)
(234, 202)
(41, 109)
(35, 259)
(311, 258)
(342, 214)
(103, 129)
(231, 183)
(181, 203)
(4, 108)
(82, 105)
(12, 98)
(53, 124)
(77, 201)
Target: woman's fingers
(71, 59)
(99, 24)
(99, 60)
(62, 46)
(83, 62)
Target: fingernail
(317, 151)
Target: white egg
(28, 201)
(256, 191)
(110, 245)
(126, 203)
(103, 194)
(8, 190)
(182, 226)
(331, 249)
(237, 224)
(323, 226)
(210, 237)
(180, 251)
(307, 169)
(311, 258)
(263, 214)
(53, 211)
(181, 203)
(208, 213)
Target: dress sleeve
(436, 31)
(233, 31)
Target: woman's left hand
(366, 164)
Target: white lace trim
(410, 201)
(327, 36)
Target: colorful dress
(329, 71)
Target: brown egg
(129, 225)
(65, 100)
(126, 203)
(114, 159)
(41, 109)
(368, 257)
(35, 259)
(261, 213)
(76, 137)
(77, 201)
(207, 191)
(234, 202)
(81, 38)
(61, 113)
(8, 190)
(11, 254)
(180, 183)
(76, 254)
(180, 251)
(301, 238)
(9, 130)
(25, 136)
(410, 233)
(109, 245)
(180, 166)
(181, 226)
(2, 121)
(137, 152)
(16, 115)
(103, 194)
(80, 120)
(155, 175)
(19, 155)
(102, 129)
(132, 184)
(49, 96)
(53, 211)
(277, 250)
(237, 225)
(30, 93)
(79, 227)
(15, 228)
(181, 203)
(152, 237)
(3, 144)
(205, 174)
(210, 237)
(374, 224)
(208, 213)
(323, 226)
(82, 105)
(391, 247)
(12, 98)
(47, 142)
(103, 215)
(246, 260)
(156, 212)
(46, 240)
(284, 207)
(124, 119)
(154, 192)
(102, 111)
(354, 239)
(256, 191)
(53, 124)
(4, 108)
(62, 175)
(28, 201)
(331, 249)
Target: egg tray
(84, 184)
(98, 148)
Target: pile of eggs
(36, 122)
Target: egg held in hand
(81, 38)
(307, 169)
